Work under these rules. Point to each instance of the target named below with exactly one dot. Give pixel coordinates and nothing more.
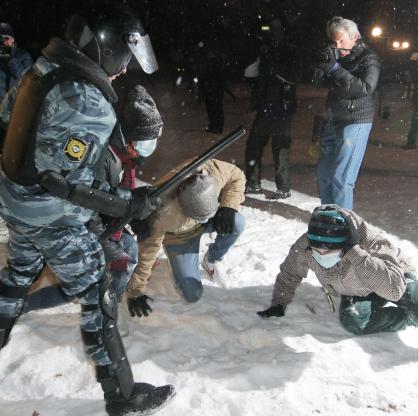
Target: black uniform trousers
(279, 129)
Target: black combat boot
(6, 326)
(253, 189)
(145, 399)
(280, 194)
(4, 337)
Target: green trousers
(368, 315)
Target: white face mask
(145, 148)
(327, 260)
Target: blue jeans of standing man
(184, 258)
(342, 149)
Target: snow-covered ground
(222, 358)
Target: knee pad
(107, 337)
(120, 366)
(107, 298)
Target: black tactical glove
(139, 306)
(141, 228)
(224, 220)
(277, 310)
(327, 63)
(353, 235)
(112, 249)
(142, 203)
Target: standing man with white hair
(350, 70)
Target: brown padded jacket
(170, 226)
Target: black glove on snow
(139, 306)
(353, 235)
(142, 203)
(224, 220)
(141, 228)
(277, 310)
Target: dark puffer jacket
(351, 97)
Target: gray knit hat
(141, 119)
(198, 197)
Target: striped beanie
(328, 229)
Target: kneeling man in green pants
(351, 260)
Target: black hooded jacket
(275, 90)
(351, 96)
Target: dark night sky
(231, 24)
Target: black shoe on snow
(280, 195)
(253, 189)
(145, 400)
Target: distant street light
(377, 31)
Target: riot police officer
(49, 188)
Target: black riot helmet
(110, 34)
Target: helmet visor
(141, 47)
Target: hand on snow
(139, 306)
(277, 310)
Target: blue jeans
(342, 150)
(184, 258)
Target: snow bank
(222, 358)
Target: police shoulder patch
(75, 149)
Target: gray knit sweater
(373, 266)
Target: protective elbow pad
(83, 195)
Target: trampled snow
(222, 358)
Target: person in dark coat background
(275, 102)
(13, 62)
(411, 142)
(212, 84)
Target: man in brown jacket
(353, 261)
(205, 202)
